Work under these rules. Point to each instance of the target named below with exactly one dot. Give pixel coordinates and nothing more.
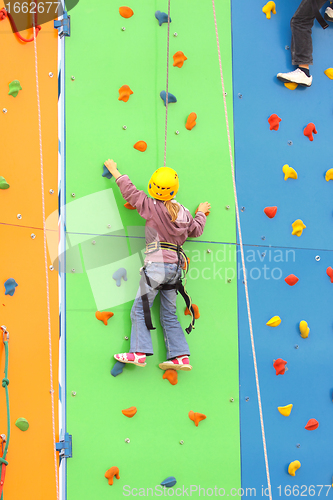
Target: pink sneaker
(135, 358)
(178, 363)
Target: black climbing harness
(318, 15)
(153, 247)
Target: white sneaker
(329, 14)
(296, 76)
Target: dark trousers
(301, 29)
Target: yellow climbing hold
(298, 227)
(268, 8)
(291, 85)
(304, 329)
(293, 466)
(329, 72)
(275, 321)
(289, 172)
(329, 175)
(285, 410)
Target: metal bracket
(65, 447)
(63, 26)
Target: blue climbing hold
(171, 97)
(162, 17)
(117, 369)
(106, 173)
(120, 273)
(10, 286)
(168, 482)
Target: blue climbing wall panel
(260, 51)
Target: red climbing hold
(270, 212)
(329, 272)
(291, 279)
(309, 129)
(312, 424)
(274, 122)
(280, 366)
(129, 206)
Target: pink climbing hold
(270, 212)
(329, 272)
(274, 122)
(309, 130)
(291, 280)
(280, 366)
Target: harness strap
(145, 301)
(318, 15)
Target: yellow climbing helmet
(164, 184)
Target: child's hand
(111, 166)
(204, 207)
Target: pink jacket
(158, 221)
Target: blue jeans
(174, 337)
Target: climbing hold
(196, 311)
(268, 8)
(289, 172)
(312, 424)
(120, 273)
(106, 173)
(328, 176)
(275, 321)
(274, 122)
(129, 206)
(309, 129)
(129, 412)
(168, 482)
(329, 272)
(126, 12)
(117, 369)
(196, 417)
(14, 88)
(171, 97)
(293, 466)
(124, 93)
(285, 410)
(304, 329)
(270, 212)
(104, 316)
(10, 286)
(206, 213)
(162, 17)
(114, 471)
(140, 146)
(3, 183)
(291, 85)
(280, 366)
(171, 375)
(22, 424)
(329, 72)
(179, 58)
(190, 122)
(298, 227)
(291, 280)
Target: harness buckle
(152, 247)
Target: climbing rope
(5, 382)
(46, 268)
(243, 264)
(167, 88)
(4, 14)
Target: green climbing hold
(22, 424)
(14, 88)
(3, 183)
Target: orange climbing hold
(206, 213)
(179, 58)
(196, 417)
(129, 412)
(126, 12)
(114, 471)
(124, 93)
(309, 129)
(291, 280)
(171, 375)
(270, 212)
(190, 122)
(280, 366)
(104, 316)
(312, 424)
(129, 206)
(329, 272)
(140, 146)
(274, 122)
(196, 311)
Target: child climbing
(168, 225)
(301, 40)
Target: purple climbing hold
(168, 482)
(10, 286)
(162, 17)
(117, 369)
(171, 97)
(120, 273)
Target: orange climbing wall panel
(31, 470)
